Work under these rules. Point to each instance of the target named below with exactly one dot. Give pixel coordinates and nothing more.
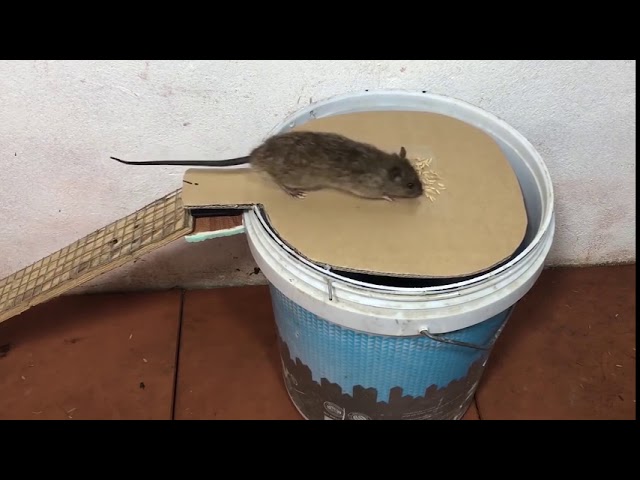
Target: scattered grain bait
(431, 181)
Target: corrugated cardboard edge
(184, 229)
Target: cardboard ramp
(471, 218)
(114, 245)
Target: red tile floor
(568, 352)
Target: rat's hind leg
(294, 192)
(298, 188)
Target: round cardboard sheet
(475, 220)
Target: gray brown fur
(300, 162)
(304, 161)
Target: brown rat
(305, 161)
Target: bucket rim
(390, 313)
(310, 111)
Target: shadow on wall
(218, 262)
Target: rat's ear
(395, 173)
(403, 152)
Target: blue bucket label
(334, 373)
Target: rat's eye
(410, 185)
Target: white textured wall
(61, 120)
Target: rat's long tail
(192, 163)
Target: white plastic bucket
(356, 350)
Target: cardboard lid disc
(471, 218)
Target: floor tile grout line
(177, 357)
(475, 401)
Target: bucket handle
(488, 346)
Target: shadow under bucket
(353, 349)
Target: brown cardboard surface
(477, 221)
